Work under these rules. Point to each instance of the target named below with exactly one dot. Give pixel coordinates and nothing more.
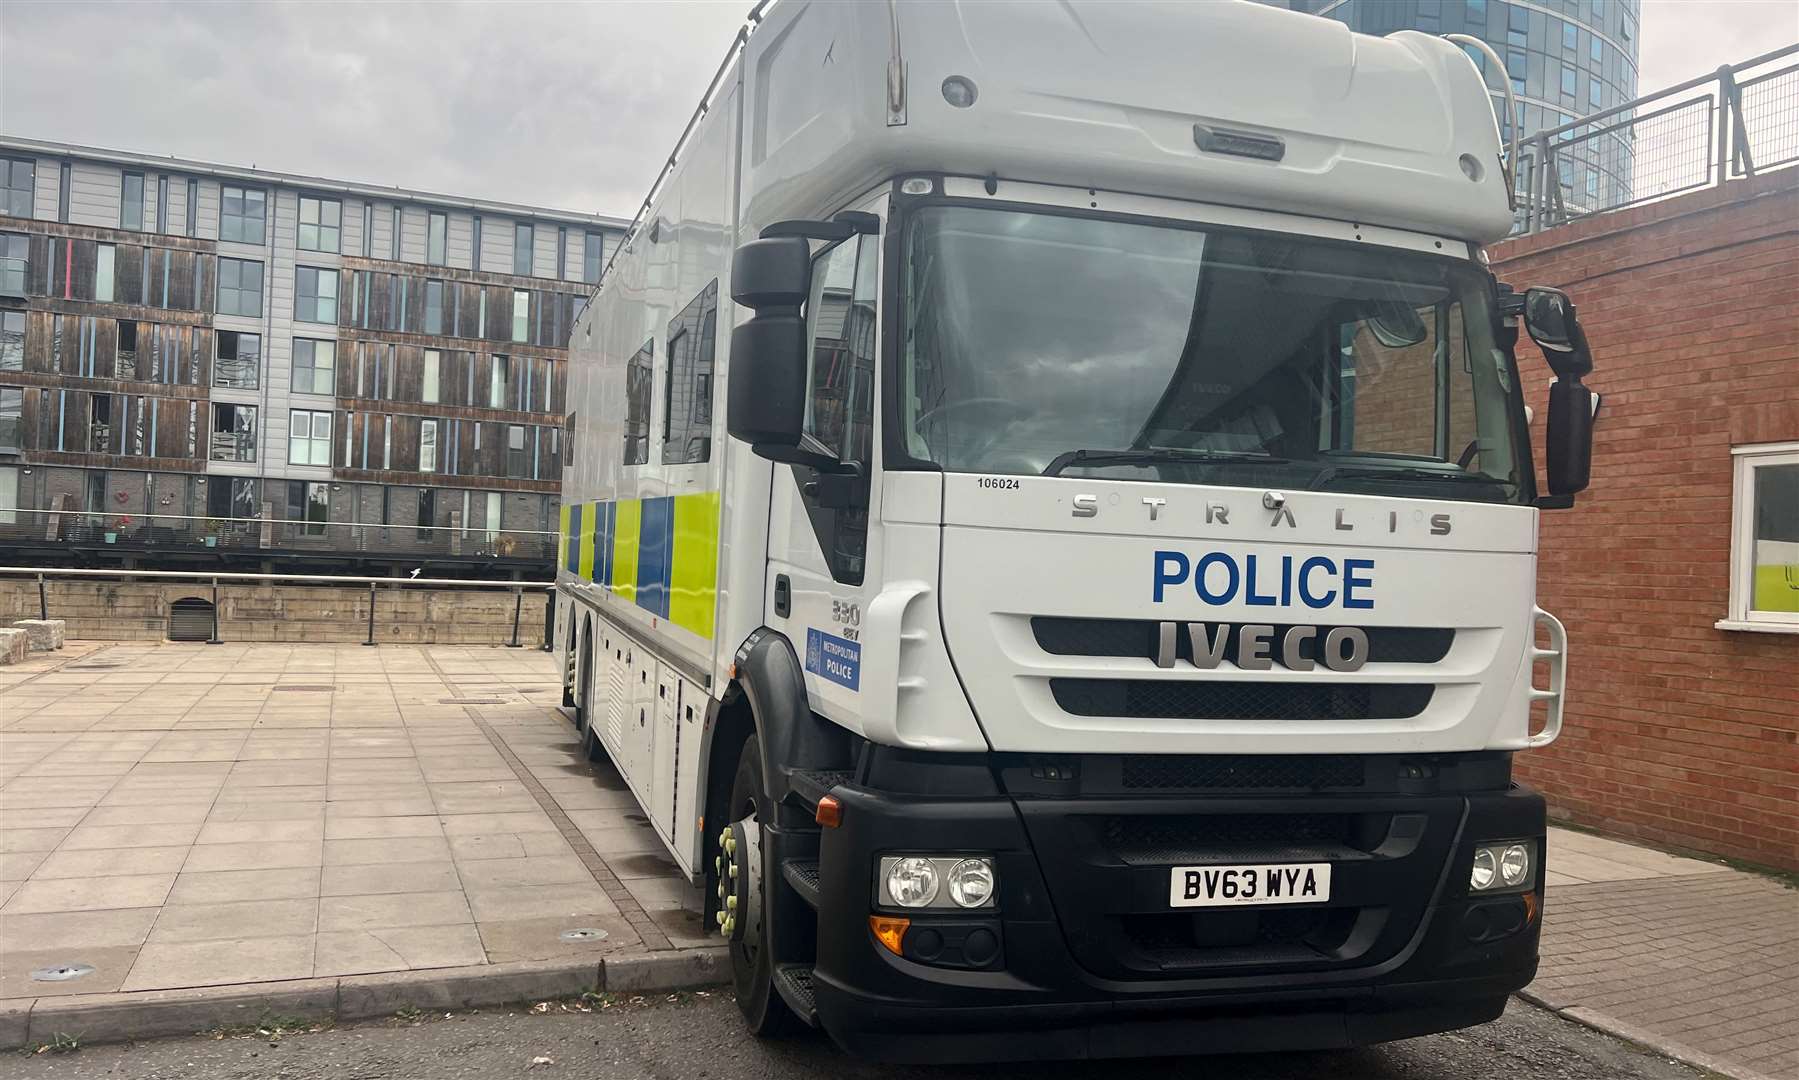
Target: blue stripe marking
(655, 554)
(605, 527)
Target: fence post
(549, 620)
(215, 639)
(1725, 85)
(371, 639)
(518, 604)
(43, 600)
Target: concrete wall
(1677, 731)
(139, 611)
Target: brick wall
(139, 611)
(1677, 732)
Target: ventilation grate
(1194, 699)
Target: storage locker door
(662, 783)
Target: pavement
(332, 830)
(703, 1037)
(175, 817)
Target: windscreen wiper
(1374, 472)
(1154, 455)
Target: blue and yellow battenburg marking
(662, 554)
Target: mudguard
(794, 738)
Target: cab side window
(840, 325)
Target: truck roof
(1395, 131)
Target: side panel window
(639, 382)
(687, 393)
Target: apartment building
(213, 363)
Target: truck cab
(1123, 609)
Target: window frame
(318, 226)
(23, 263)
(7, 315)
(262, 220)
(238, 290)
(30, 189)
(219, 364)
(312, 437)
(212, 442)
(317, 296)
(1742, 615)
(437, 238)
(125, 221)
(312, 366)
(527, 232)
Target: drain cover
(65, 972)
(310, 688)
(584, 933)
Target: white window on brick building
(1764, 548)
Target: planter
(112, 537)
(212, 541)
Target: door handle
(783, 596)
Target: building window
(1595, 93)
(9, 496)
(591, 252)
(237, 362)
(233, 432)
(427, 513)
(1570, 37)
(1568, 85)
(475, 245)
(315, 294)
(240, 287)
(494, 524)
(131, 201)
(521, 315)
(64, 186)
(496, 382)
(368, 230)
(1477, 16)
(18, 186)
(427, 446)
(193, 204)
(321, 224)
(105, 271)
(428, 387)
(1595, 48)
(162, 204)
(1764, 550)
(638, 387)
(12, 412)
(523, 241)
(434, 307)
(309, 501)
(394, 247)
(1517, 33)
(561, 252)
(242, 212)
(12, 341)
(518, 463)
(15, 260)
(315, 366)
(308, 437)
(437, 238)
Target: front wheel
(745, 893)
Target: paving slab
(177, 823)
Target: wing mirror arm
(1550, 320)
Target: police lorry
(1049, 530)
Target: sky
(565, 105)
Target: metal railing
(174, 533)
(517, 588)
(1738, 121)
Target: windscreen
(1044, 343)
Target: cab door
(823, 569)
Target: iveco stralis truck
(1050, 530)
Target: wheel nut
(731, 904)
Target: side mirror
(766, 403)
(1550, 320)
(1568, 440)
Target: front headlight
(916, 881)
(1504, 866)
(912, 882)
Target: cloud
(563, 105)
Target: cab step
(814, 784)
(802, 874)
(794, 981)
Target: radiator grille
(1211, 699)
(1242, 772)
(1137, 638)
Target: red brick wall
(1677, 732)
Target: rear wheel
(746, 892)
(591, 747)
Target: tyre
(752, 959)
(591, 747)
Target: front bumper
(1093, 962)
